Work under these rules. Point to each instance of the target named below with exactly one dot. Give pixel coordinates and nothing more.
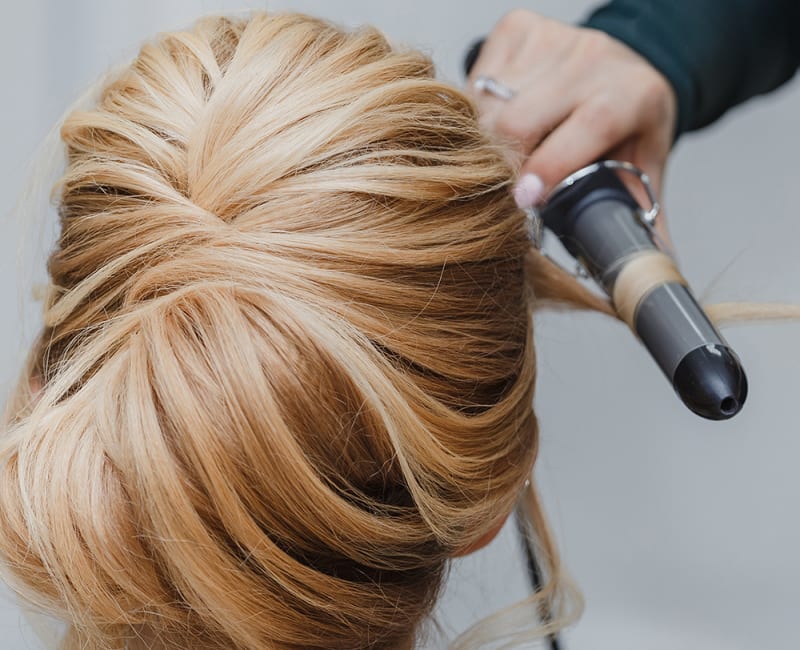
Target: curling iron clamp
(612, 238)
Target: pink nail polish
(528, 191)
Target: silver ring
(486, 84)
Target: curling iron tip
(711, 382)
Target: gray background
(682, 533)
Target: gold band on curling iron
(643, 273)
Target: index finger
(578, 141)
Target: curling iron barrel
(602, 226)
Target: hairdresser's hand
(580, 95)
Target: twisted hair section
(286, 369)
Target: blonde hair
(287, 366)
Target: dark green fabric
(715, 53)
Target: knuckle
(516, 19)
(656, 92)
(510, 125)
(602, 115)
(596, 45)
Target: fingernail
(528, 191)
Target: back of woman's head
(286, 367)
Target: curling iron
(603, 227)
(612, 239)
(600, 224)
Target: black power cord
(535, 574)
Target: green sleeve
(715, 53)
